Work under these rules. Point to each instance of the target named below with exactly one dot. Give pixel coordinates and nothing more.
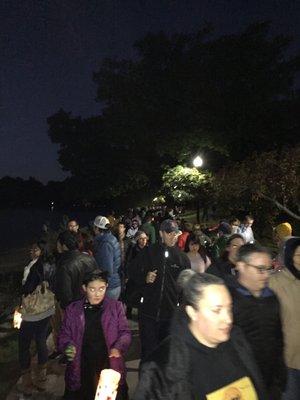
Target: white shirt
(27, 270)
(197, 262)
(247, 233)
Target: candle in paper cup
(108, 385)
(17, 319)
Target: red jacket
(182, 240)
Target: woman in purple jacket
(94, 335)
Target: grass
(9, 367)
(9, 349)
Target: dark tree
(19, 192)
(227, 96)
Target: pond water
(20, 226)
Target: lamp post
(197, 163)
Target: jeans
(38, 331)
(114, 293)
(152, 333)
(292, 391)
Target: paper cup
(108, 385)
(17, 319)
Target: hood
(289, 250)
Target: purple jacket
(116, 332)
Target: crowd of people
(217, 312)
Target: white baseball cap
(101, 222)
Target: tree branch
(280, 206)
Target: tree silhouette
(233, 95)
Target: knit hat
(283, 230)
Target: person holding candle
(94, 336)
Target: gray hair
(246, 251)
(193, 284)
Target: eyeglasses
(100, 290)
(261, 268)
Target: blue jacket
(107, 253)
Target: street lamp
(197, 162)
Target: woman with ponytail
(203, 358)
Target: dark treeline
(67, 194)
(18, 192)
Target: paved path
(55, 376)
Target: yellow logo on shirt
(242, 389)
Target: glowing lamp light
(108, 385)
(197, 162)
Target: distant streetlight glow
(197, 162)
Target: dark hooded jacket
(183, 369)
(289, 250)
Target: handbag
(39, 301)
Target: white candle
(17, 319)
(108, 385)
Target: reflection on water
(20, 226)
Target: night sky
(49, 50)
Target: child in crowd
(94, 336)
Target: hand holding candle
(114, 353)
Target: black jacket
(161, 297)
(166, 374)
(71, 268)
(133, 292)
(221, 268)
(259, 319)
(39, 272)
